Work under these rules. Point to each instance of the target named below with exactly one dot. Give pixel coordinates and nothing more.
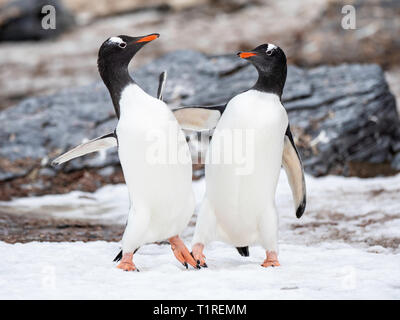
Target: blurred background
(36, 61)
(341, 92)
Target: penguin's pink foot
(182, 253)
(271, 260)
(197, 253)
(126, 263)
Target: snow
(109, 204)
(86, 271)
(346, 246)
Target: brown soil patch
(23, 228)
(348, 230)
(88, 180)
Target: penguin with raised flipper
(239, 207)
(161, 195)
(103, 142)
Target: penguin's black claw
(137, 270)
(198, 266)
(197, 261)
(185, 265)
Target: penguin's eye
(269, 52)
(122, 45)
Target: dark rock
(22, 20)
(396, 162)
(341, 116)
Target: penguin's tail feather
(161, 84)
(104, 142)
(243, 251)
(118, 257)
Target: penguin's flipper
(199, 118)
(161, 84)
(104, 142)
(294, 169)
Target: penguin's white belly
(157, 175)
(241, 190)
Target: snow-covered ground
(84, 270)
(345, 246)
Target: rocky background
(340, 95)
(309, 31)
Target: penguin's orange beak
(149, 38)
(245, 55)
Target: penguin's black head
(270, 62)
(119, 51)
(114, 56)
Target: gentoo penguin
(239, 203)
(153, 152)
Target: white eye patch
(116, 40)
(271, 46)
